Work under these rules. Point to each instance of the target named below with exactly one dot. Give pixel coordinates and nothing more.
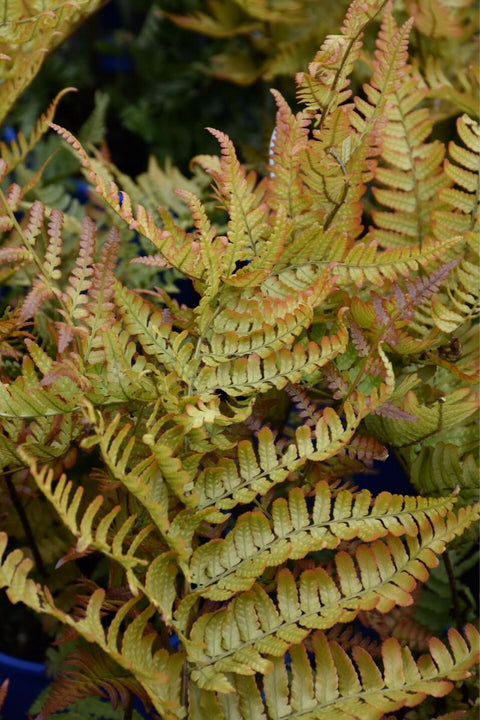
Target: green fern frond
(325, 86)
(343, 686)
(440, 469)
(432, 419)
(458, 85)
(410, 169)
(221, 568)
(388, 66)
(289, 142)
(27, 34)
(136, 473)
(110, 529)
(440, 19)
(460, 301)
(126, 376)
(22, 400)
(253, 628)
(254, 374)
(171, 349)
(14, 571)
(176, 246)
(364, 263)
(463, 169)
(226, 484)
(224, 20)
(239, 194)
(263, 323)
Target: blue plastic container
(27, 680)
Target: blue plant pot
(27, 680)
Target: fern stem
(128, 714)
(27, 528)
(457, 612)
(185, 684)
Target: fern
(411, 169)
(26, 34)
(240, 556)
(316, 692)
(3, 691)
(221, 567)
(387, 573)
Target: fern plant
(328, 322)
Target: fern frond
(457, 83)
(221, 568)
(242, 198)
(440, 469)
(13, 259)
(99, 306)
(325, 86)
(461, 215)
(253, 628)
(14, 571)
(137, 474)
(110, 530)
(126, 375)
(289, 142)
(211, 249)
(177, 247)
(255, 374)
(439, 19)
(410, 169)
(364, 263)
(223, 21)
(460, 301)
(11, 331)
(171, 349)
(227, 484)
(26, 401)
(80, 280)
(28, 32)
(15, 152)
(389, 64)
(267, 254)
(432, 419)
(352, 686)
(53, 251)
(263, 323)
(89, 674)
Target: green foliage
(28, 31)
(278, 38)
(225, 432)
